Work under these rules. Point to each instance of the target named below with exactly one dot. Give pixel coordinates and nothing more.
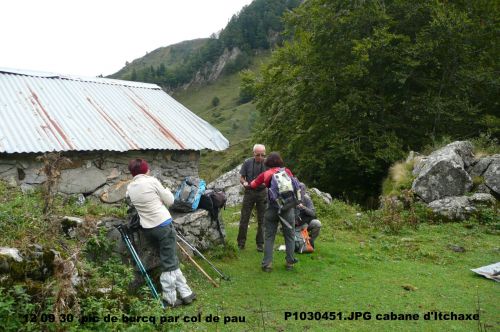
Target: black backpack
(213, 201)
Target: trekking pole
(138, 262)
(196, 251)
(198, 266)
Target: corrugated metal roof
(43, 112)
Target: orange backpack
(303, 241)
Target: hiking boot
(267, 268)
(289, 265)
(260, 248)
(178, 303)
(189, 299)
(241, 246)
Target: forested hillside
(361, 83)
(351, 87)
(256, 27)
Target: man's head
(259, 152)
(138, 166)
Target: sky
(97, 37)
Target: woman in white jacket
(149, 198)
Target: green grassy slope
(171, 56)
(357, 267)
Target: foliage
(247, 86)
(215, 101)
(361, 82)
(400, 178)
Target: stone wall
(103, 175)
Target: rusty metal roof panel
(48, 112)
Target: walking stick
(198, 266)
(196, 251)
(138, 262)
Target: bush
(215, 101)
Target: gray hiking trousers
(271, 222)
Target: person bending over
(149, 198)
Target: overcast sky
(93, 37)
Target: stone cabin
(99, 124)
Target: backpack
(284, 190)
(134, 221)
(187, 197)
(213, 201)
(302, 241)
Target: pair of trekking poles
(145, 274)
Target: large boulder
(492, 174)
(442, 174)
(461, 207)
(230, 183)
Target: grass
(400, 177)
(359, 266)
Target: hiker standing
(251, 168)
(306, 215)
(276, 214)
(149, 198)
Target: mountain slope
(171, 57)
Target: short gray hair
(256, 146)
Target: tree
(362, 82)
(247, 86)
(215, 101)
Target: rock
(34, 176)
(80, 200)
(480, 166)
(11, 253)
(230, 183)
(482, 188)
(27, 188)
(115, 172)
(461, 207)
(115, 193)
(453, 208)
(442, 174)
(4, 168)
(79, 180)
(69, 225)
(456, 248)
(482, 199)
(492, 174)
(34, 262)
(325, 196)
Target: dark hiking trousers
(164, 238)
(251, 198)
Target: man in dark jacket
(251, 168)
(306, 215)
